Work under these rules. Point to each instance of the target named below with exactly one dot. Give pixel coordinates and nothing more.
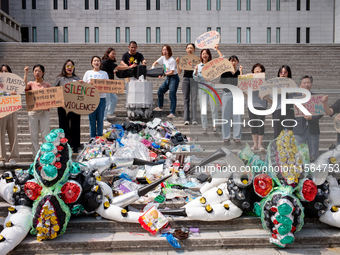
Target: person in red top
(42, 116)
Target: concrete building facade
(177, 21)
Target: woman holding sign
(70, 122)
(42, 116)
(97, 117)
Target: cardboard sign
(81, 98)
(279, 82)
(9, 104)
(108, 86)
(337, 123)
(208, 40)
(251, 80)
(189, 62)
(42, 99)
(314, 106)
(216, 67)
(11, 82)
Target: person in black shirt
(132, 56)
(335, 108)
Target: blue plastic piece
(172, 240)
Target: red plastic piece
(70, 192)
(263, 184)
(32, 190)
(309, 190)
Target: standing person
(109, 65)
(190, 89)
(171, 82)
(97, 117)
(205, 57)
(70, 122)
(227, 103)
(307, 128)
(257, 132)
(42, 116)
(132, 56)
(335, 108)
(9, 124)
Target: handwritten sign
(189, 62)
(108, 86)
(337, 123)
(214, 68)
(81, 98)
(9, 104)
(252, 80)
(208, 40)
(314, 106)
(42, 99)
(11, 82)
(279, 82)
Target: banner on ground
(108, 86)
(279, 82)
(251, 80)
(9, 104)
(42, 99)
(314, 106)
(11, 82)
(188, 62)
(208, 40)
(214, 68)
(80, 97)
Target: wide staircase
(87, 235)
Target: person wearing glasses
(70, 121)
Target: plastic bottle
(182, 178)
(186, 167)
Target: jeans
(111, 102)
(171, 84)
(227, 113)
(96, 119)
(190, 88)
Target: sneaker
(157, 109)
(12, 162)
(194, 122)
(111, 116)
(171, 116)
(186, 123)
(205, 130)
(106, 123)
(2, 163)
(215, 129)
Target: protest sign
(337, 123)
(9, 104)
(11, 82)
(42, 99)
(81, 98)
(280, 82)
(208, 40)
(314, 106)
(214, 68)
(189, 62)
(252, 80)
(108, 86)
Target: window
(117, 4)
(218, 5)
(158, 5)
(65, 4)
(298, 5)
(298, 31)
(87, 35)
(178, 5)
(188, 5)
(188, 35)
(158, 34)
(65, 35)
(148, 7)
(307, 34)
(248, 5)
(34, 34)
(269, 35)
(127, 34)
(96, 34)
(208, 29)
(96, 4)
(307, 5)
(208, 5)
(55, 4)
(239, 5)
(23, 4)
(117, 34)
(34, 4)
(55, 34)
(238, 35)
(218, 29)
(127, 4)
(24, 34)
(148, 35)
(86, 4)
(269, 5)
(277, 35)
(179, 32)
(248, 35)
(277, 5)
